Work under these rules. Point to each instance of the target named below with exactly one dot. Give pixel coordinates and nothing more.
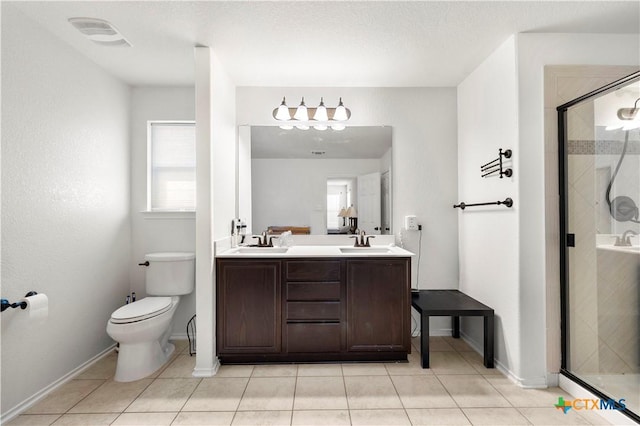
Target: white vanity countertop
(620, 249)
(315, 251)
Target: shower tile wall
(583, 307)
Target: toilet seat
(141, 310)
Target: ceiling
(303, 43)
(351, 143)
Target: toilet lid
(141, 309)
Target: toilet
(142, 328)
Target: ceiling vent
(100, 31)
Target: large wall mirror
(326, 182)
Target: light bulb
(283, 112)
(286, 127)
(302, 127)
(338, 127)
(320, 127)
(341, 112)
(321, 112)
(301, 113)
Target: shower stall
(600, 252)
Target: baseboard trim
(553, 379)
(209, 371)
(179, 336)
(42, 393)
(537, 383)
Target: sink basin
(364, 250)
(262, 250)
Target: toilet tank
(170, 274)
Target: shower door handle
(571, 240)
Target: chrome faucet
(625, 239)
(263, 240)
(362, 242)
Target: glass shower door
(602, 269)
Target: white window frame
(187, 213)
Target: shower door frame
(567, 239)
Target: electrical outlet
(411, 223)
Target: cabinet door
(378, 307)
(248, 306)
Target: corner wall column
(206, 361)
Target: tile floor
(457, 390)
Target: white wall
(424, 159)
(488, 236)
(502, 101)
(294, 191)
(155, 232)
(216, 188)
(224, 145)
(534, 52)
(65, 205)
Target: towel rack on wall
(495, 166)
(508, 202)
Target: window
(171, 174)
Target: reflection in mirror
(339, 192)
(294, 175)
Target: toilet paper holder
(4, 303)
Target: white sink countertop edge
(319, 251)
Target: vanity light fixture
(301, 112)
(282, 112)
(321, 112)
(341, 112)
(321, 117)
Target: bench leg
(488, 341)
(424, 340)
(455, 327)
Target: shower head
(629, 113)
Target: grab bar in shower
(508, 202)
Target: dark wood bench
(455, 304)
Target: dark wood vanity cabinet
(377, 293)
(286, 310)
(313, 306)
(249, 308)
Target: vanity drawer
(304, 337)
(313, 270)
(326, 311)
(313, 291)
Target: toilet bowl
(142, 328)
